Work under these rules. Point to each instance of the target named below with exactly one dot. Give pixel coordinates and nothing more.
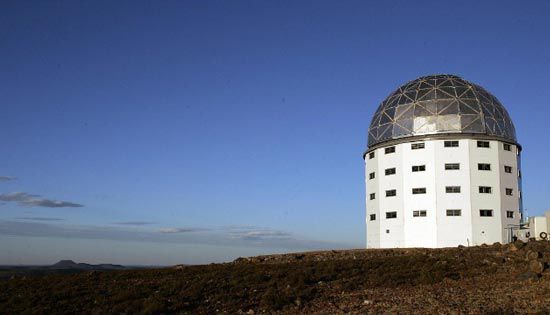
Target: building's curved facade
(442, 167)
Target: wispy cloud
(219, 236)
(31, 200)
(134, 223)
(17, 196)
(39, 219)
(239, 227)
(7, 178)
(51, 203)
(260, 235)
(179, 230)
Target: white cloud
(178, 230)
(134, 223)
(259, 235)
(39, 219)
(31, 200)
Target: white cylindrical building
(442, 167)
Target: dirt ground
(512, 278)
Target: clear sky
(194, 131)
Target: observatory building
(442, 167)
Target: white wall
(391, 230)
(373, 227)
(437, 229)
(453, 230)
(419, 231)
(486, 230)
(508, 180)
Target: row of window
(448, 189)
(482, 190)
(449, 213)
(446, 143)
(448, 167)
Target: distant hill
(65, 266)
(69, 264)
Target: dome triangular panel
(440, 104)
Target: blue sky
(195, 131)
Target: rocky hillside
(486, 279)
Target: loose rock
(536, 266)
(529, 275)
(531, 255)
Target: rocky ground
(513, 278)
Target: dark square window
(510, 214)
(484, 167)
(373, 217)
(507, 147)
(389, 150)
(509, 191)
(371, 155)
(452, 166)
(507, 169)
(372, 175)
(417, 191)
(483, 144)
(416, 146)
(485, 190)
(372, 196)
(485, 213)
(420, 213)
(452, 189)
(419, 168)
(451, 144)
(391, 193)
(390, 171)
(454, 212)
(391, 215)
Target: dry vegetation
(488, 279)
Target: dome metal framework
(440, 104)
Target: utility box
(539, 226)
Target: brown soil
(512, 278)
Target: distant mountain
(69, 264)
(65, 266)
